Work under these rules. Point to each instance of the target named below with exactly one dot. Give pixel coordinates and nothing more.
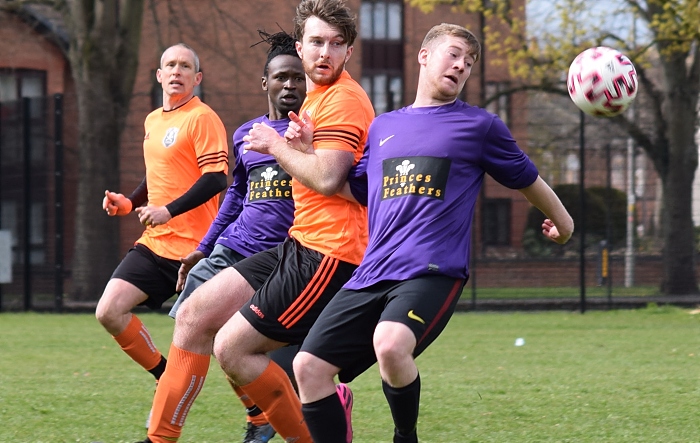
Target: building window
(15, 86)
(381, 31)
(501, 105)
(157, 93)
(496, 221)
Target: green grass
(610, 376)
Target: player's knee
(188, 316)
(308, 368)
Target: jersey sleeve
(342, 122)
(210, 145)
(232, 205)
(504, 160)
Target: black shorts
(292, 286)
(343, 334)
(151, 273)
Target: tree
(666, 54)
(103, 50)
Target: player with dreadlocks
(255, 215)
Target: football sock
(326, 419)
(404, 403)
(159, 369)
(136, 341)
(253, 413)
(273, 393)
(177, 389)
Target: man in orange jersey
(291, 283)
(186, 156)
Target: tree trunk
(103, 54)
(97, 235)
(677, 216)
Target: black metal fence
(31, 204)
(510, 269)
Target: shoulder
(154, 115)
(201, 111)
(247, 126)
(346, 101)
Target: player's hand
(551, 231)
(153, 215)
(300, 133)
(187, 263)
(116, 204)
(261, 138)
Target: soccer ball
(602, 82)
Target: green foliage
(602, 377)
(597, 210)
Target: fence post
(58, 198)
(582, 221)
(10, 258)
(27, 169)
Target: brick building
(32, 64)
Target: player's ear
(423, 56)
(264, 83)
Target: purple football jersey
(258, 209)
(425, 167)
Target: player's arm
(323, 170)
(206, 187)
(229, 211)
(117, 204)
(355, 187)
(559, 225)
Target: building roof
(46, 20)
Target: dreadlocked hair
(280, 43)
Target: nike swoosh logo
(413, 316)
(384, 140)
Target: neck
(426, 101)
(170, 102)
(275, 114)
(427, 96)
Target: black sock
(252, 412)
(325, 419)
(404, 403)
(159, 369)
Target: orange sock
(274, 394)
(136, 341)
(258, 419)
(177, 389)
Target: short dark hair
(280, 43)
(333, 12)
(458, 31)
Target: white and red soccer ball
(602, 81)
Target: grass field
(613, 376)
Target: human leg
(221, 257)
(114, 313)
(242, 353)
(340, 338)
(197, 322)
(281, 311)
(410, 322)
(321, 404)
(142, 278)
(394, 344)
